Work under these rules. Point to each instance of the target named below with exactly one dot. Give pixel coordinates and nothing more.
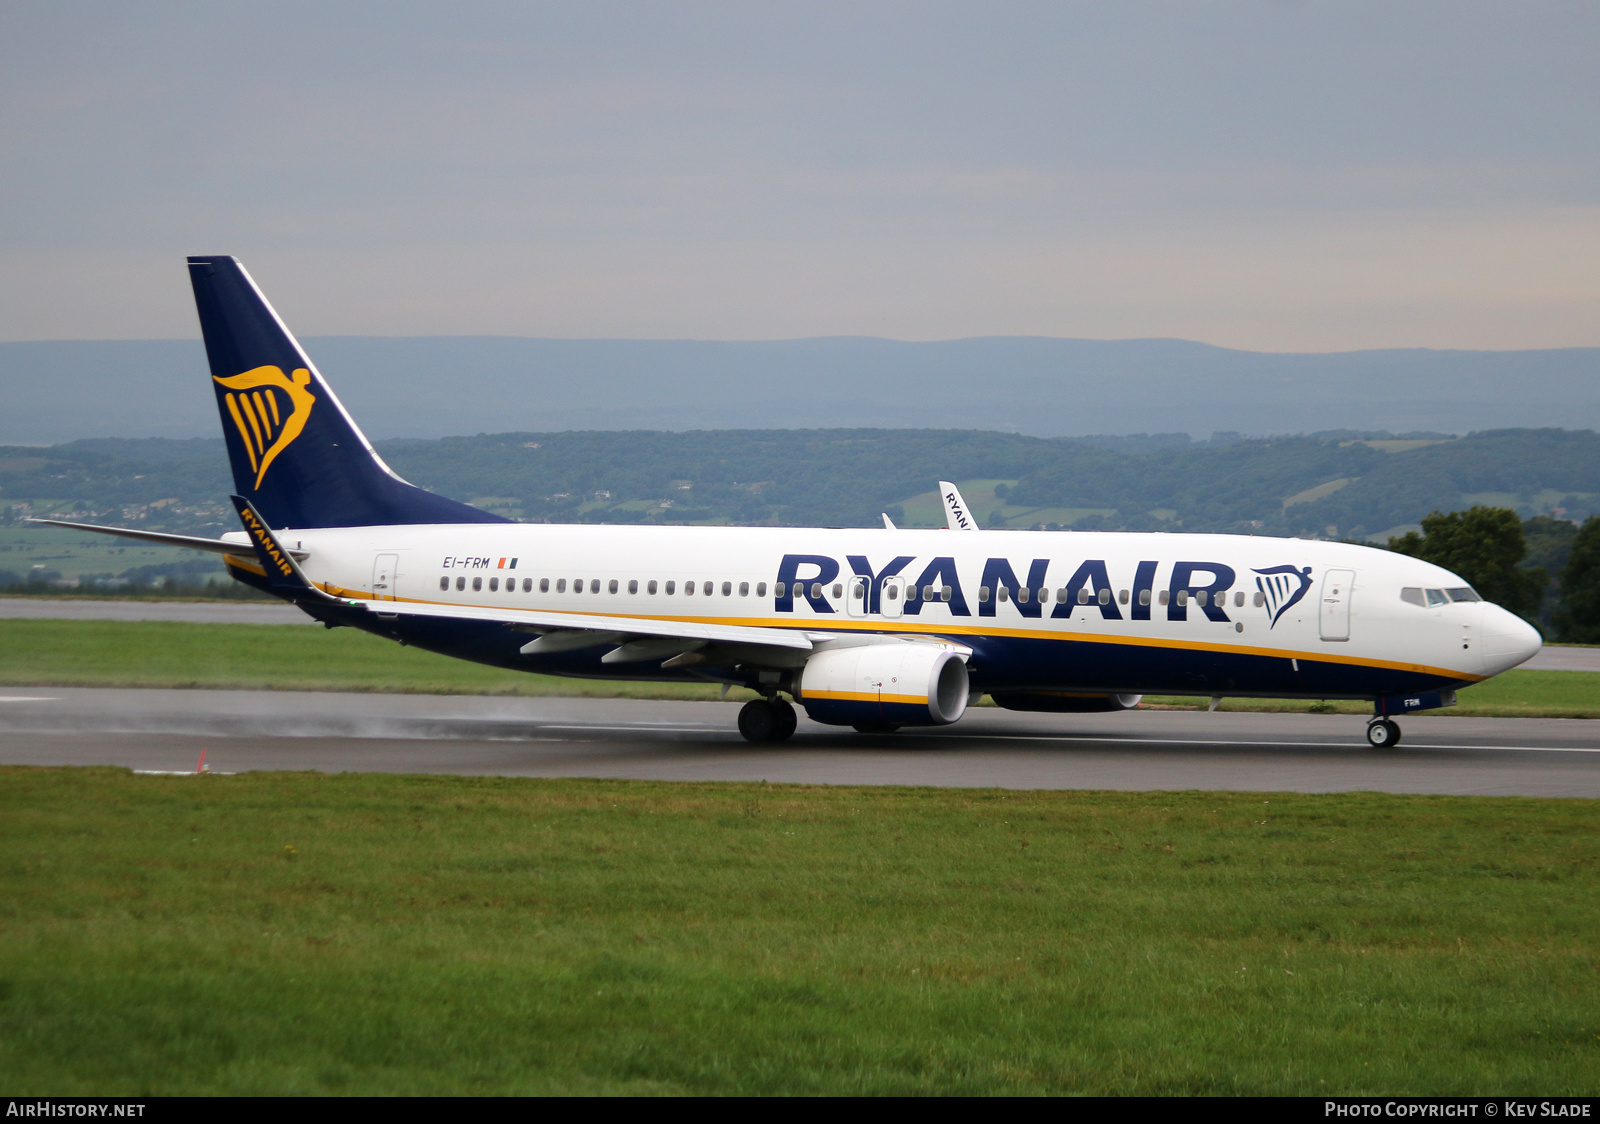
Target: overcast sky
(1277, 176)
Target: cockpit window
(1437, 597)
(1412, 595)
(1465, 593)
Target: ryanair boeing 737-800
(875, 629)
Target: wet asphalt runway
(1138, 750)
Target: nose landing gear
(1383, 733)
(767, 720)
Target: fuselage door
(383, 573)
(891, 598)
(1335, 615)
(855, 596)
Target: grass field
(299, 657)
(296, 933)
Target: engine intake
(908, 683)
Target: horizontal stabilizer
(188, 542)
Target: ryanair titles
(899, 588)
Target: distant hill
(58, 391)
(1338, 484)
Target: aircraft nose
(1508, 640)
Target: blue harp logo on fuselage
(1281, 588)
(269, 409)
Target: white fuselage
(1144, 592)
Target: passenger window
(651, 587)
(477, 584)
(594, 586)
(494, 584)
(858, 590)
(633, 585)
(944, 593)
(1183, 597)
(544, 585)
(671, 586)
(1201, 597)
(838, 590)
(1260, 598)
(444, 583)
(611, 587)
(778, 589)
(1002, 593)
(1022, 596)
(1083, 595)
(1104, 597)
(816, 591)
(706, 589)
(744, 589)
(983, 594)
(911, 593)
(688, 589)
(1163, 598)
(1122, 597)
(461, 583)
(761, 589)
(1436, 598)
(1465, 593)
(561, 585)
(893, 592)
(727, 589)
(1238, 600)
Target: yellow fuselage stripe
(901, 625)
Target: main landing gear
(767, 720)
(1383, 733)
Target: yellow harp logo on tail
(269, 409)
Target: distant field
(75, 553)
(367, 934)
(294, 657)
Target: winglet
(957, 516)
(283, 572)
(888, 524)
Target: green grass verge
(296, 933)
(300, 657)
(282, 657)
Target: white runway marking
(28, 698)
(1240, 744)
(645, 729)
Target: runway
(163, 730)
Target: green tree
(1485, 546)
(1578, 619)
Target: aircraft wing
(957, 516)
(601, 623)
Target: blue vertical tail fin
(296, 454)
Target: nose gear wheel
(1382, 733)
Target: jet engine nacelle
(909, 683)
(1064, 702)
